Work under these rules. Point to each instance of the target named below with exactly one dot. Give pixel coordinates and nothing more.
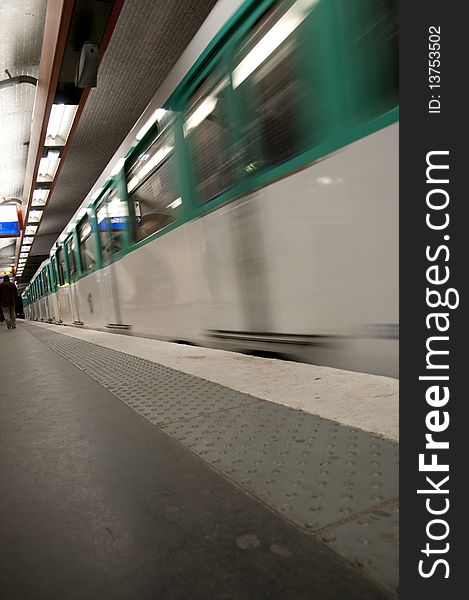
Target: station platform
(140, 469)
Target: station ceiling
(21, 34)
(148, 39)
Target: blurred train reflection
(258, 210)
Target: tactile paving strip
(370, 543)
(312, 470)
(325, 477)
(159, 393)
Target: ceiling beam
(58, 16)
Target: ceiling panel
(21, 32)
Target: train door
(42, 299)
(109, 296)
(70, 248)
(112, 224)
(47, 296)
(236, 269)
(62, 294)
(54, 309)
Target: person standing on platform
(8, 294)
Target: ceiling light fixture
(40, 197)
(34, 216)
(154, 161)
(201, 113)
(48, 166)
(175, 203)
(60, 123)
(284, 27)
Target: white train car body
(302, 263)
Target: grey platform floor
(99, 503)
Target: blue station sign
(9, 220)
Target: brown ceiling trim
(118, 4)
(57, 23)
(102, 49)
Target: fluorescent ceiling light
(34, 216)
(60, 123)
(154, 161)
(30, 229)
(200, 114)
(284, 27)
(48, 166)
(175, 203)
(40, 197)
(28, 240)
(23, 255)
(156, 116)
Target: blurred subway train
(257, 208)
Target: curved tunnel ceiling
(21, 34)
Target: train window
(371, 32)
(152, 187)
(86, 245)
(60, 266)
(207, 131)
(101, 213)
(112, 214)
(47, 280)
(52, 276)
(72, 265)
(282, 107)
